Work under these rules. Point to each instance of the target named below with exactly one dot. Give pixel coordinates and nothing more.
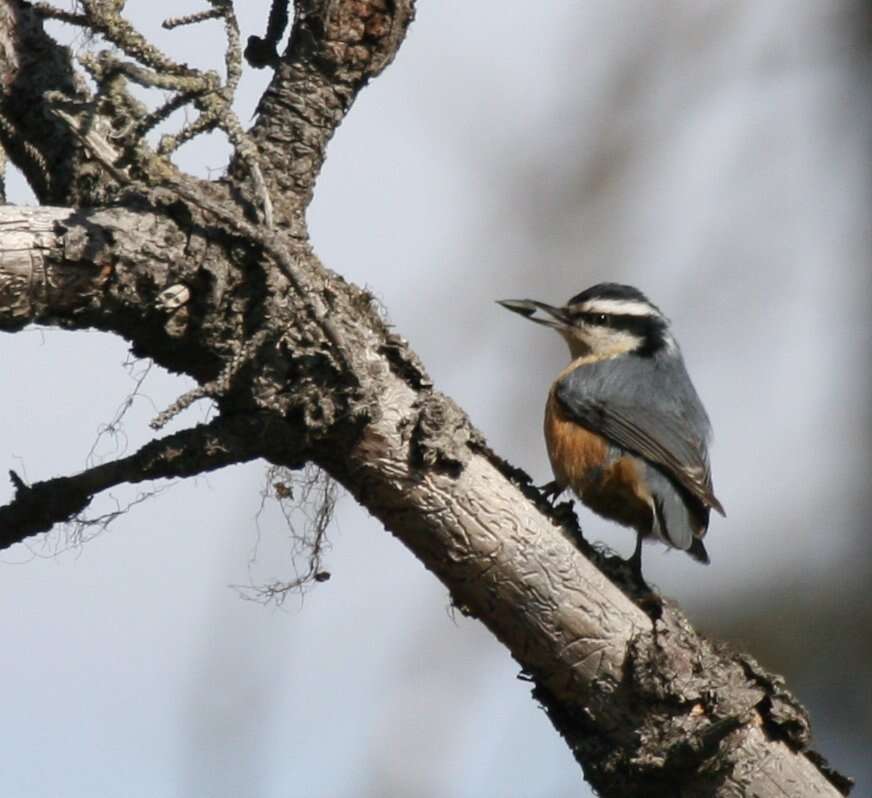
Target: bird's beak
(528, 308)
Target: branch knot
(442, 434)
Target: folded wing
(666, 437)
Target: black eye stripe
(648, 329)
(617, 320)
(599, 319)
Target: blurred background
(716, 155)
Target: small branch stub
(173, 297)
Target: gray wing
(648, 407)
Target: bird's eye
(597, 319)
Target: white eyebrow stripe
(619, 307)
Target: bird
(625, 428)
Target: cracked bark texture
(647, 706)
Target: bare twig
(104, 153)
(191, 19)
(48, 11)
(152, 68)
(81, 529)
(214, 388)
(37, 507)
(114, 426)
(306, 500)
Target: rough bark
(303, 369)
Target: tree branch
(132, 272)
(643, 701)
(206, 447)
(333, 50)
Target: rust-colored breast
(575, 452)
(612, 486)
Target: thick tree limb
(644, 702)
(647, 706)
(56, 263)
(206, 447)
(103, 269)
(333, 50)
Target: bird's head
(604, 321)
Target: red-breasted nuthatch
(624, 426)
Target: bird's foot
(551, 491)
